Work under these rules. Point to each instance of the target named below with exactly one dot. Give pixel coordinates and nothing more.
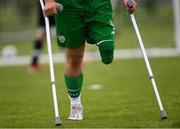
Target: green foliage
(26, 9)
(18, 15)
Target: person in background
(39, 40)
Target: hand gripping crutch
(133, 20)
(51, 67)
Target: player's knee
(38, 44)
(76, 60)
(107, 52)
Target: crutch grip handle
(59, 8)
(130, 3)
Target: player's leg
(106, 41)
(106, 49)
(37, 48)
(103, 37)
(104, 33)
(71, 33)
(74, 79)
(39, 40)
(101, 32)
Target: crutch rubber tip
(163, 114)
(57, 121)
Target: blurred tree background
(150, 5)
(19, 14)
(18, 23)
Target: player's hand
(50, 7)
(131, 8)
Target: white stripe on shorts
(103, 41)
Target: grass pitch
(125, 100)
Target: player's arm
(131, 8)
(50, 8)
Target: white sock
(75, 101)
(36, 53)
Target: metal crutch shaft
(51, 67)
(133, 20)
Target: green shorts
(84, 21)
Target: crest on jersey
(61, 38)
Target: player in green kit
(83, 21)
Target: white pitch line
(93, 56)
(95, 87)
